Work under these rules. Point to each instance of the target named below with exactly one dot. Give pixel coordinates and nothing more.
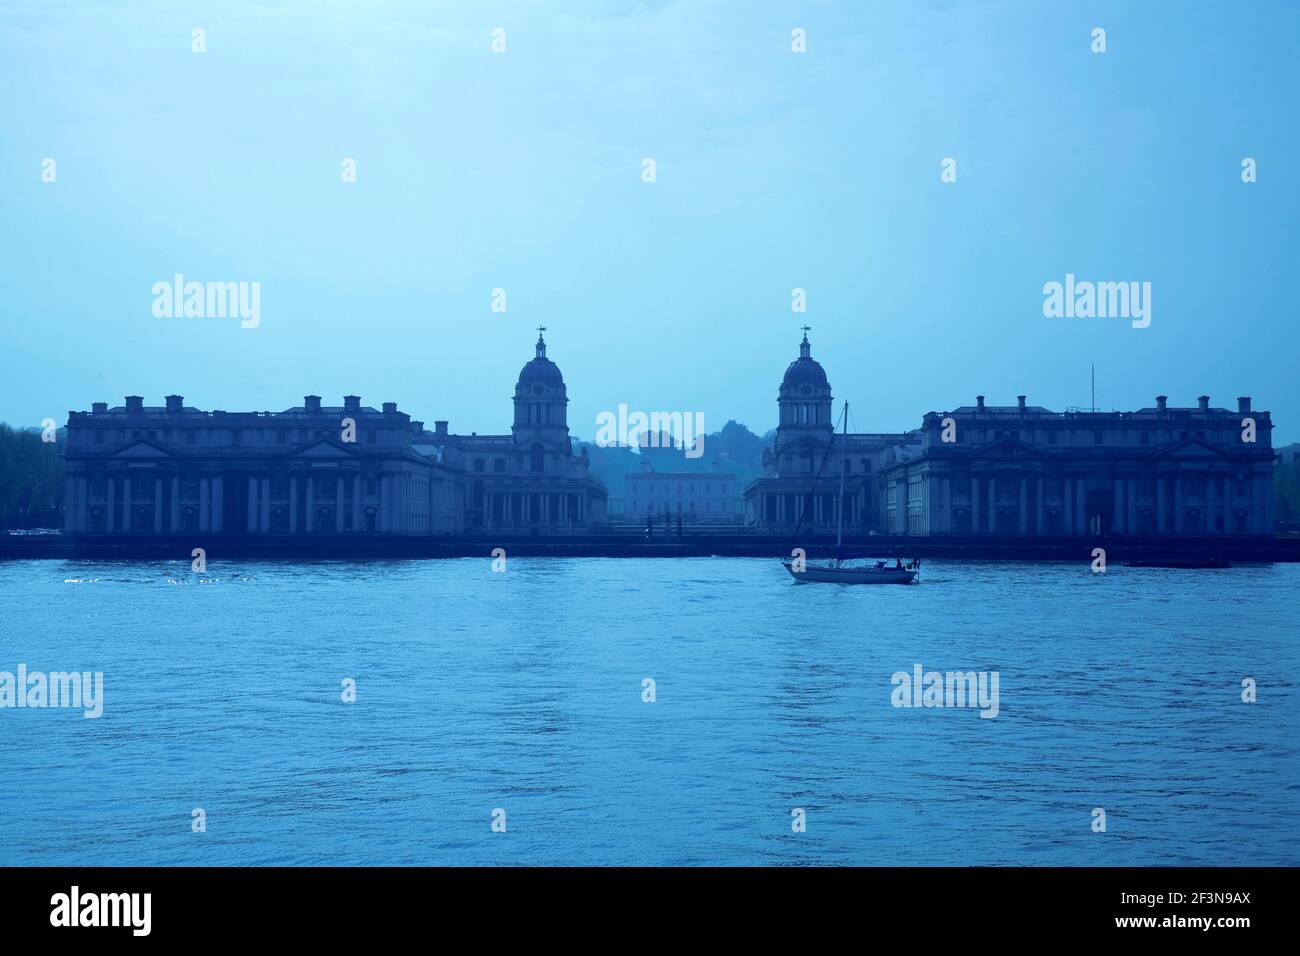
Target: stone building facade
(697, 497)
(312, 469)
(1018, 470)
(529, 480)
(175, 469)
(1026, 470)
(801, 480)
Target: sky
(524, 170)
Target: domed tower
(541, 418)
(805, 396)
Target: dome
(805, 370)
(541, 370)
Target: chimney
(979, 402)
(352, 403)
(417, 427)
(1161, 402)
(175, 403)
(99, 408)
(390, 408)
(1243, 405)
(1203, 403)
(134, 403)
(440, 428)
(311, 403)
(1020, 401)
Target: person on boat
(649, 526)
(880, 565)
(898, 564)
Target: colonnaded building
(340, 469)
(1017, 470)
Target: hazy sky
(522, 170)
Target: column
(69, 507)
(1040, 508)
(1067, 504)
(309, 505)
(157, 504)
(111, 483)
(1024, 505)
(218, 506)
(1081, 504)
(1210, 527)
(205, 507)
(252, 523)
(1257, 504)
(1160, 504)
(126, 504)
(1178, 504)
(293, 504)
(383, 502)
(1229, 523)
(1130, 499)
(1116, 506)
(83, 502)
(974, 504)
(993, 504)
(338, 504)
(356, 502)
(264, 498)
(404, 502)
(947, 497)
(1269, 503)
(176, 504)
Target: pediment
(326, 448)
(1192, 448)
(1008, 448)
(144, 448)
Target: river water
(520, 697)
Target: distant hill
(734, 448)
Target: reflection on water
(523, 691)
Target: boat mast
(844, 451)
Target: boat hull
(813, 574)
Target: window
(281, 437)
(478, 464)
(1097, 438)
(499, 464)
(1146, 438)
(538, 458)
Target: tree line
(31, 479)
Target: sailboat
(838, 571)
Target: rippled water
(523, 691)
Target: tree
(31, 479)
